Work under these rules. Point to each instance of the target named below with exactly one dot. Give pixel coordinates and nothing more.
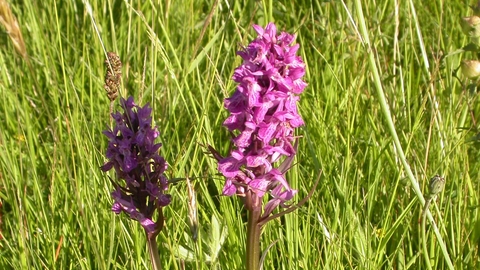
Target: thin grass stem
(424, 238)
(391, 126)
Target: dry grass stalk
(13, 29)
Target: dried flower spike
(133, 154)
(13, 29)
(113, 76)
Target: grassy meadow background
(180, 56)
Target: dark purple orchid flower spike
(133, 153)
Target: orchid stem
(154, 256)
(253, 239)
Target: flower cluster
(263, 116)
(133, 154)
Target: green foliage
(180, 56)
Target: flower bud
(471, 26)
(436, 185)
(470, 68)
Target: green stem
(154, 256)
(253, 234)
(424, 238)
(371, 52)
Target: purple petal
(270, 206)
(117, 208)
(258, 29)
(107, 166)
(257, 161)
(147, 224)
(267, 131)
(259, 186)
(229, 166)
(164, 199)
(229, 189)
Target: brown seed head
(113, 76)
(13, 30)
